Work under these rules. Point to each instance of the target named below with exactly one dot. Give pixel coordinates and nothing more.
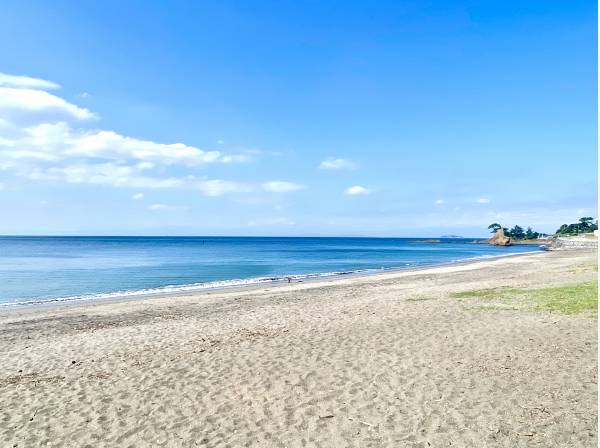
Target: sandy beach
(392, 360)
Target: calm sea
(41, 269)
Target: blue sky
(296, 118)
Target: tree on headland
(494, 227)
(530, 234)
(585, 225)
(516, 233)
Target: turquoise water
(41, 269)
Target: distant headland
(501, 236)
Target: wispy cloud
(44, 137)
(439, 202)
(159, 206)
(235, 158)
(337, 164)
(138, 196)
(111, 145)
(219, 187)
(356, 190)
(280, 186)
(29, 104)
(483, 201)
(109, 174)
(26, 82)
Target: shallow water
(34, 269)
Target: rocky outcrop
(500, 239)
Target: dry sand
(385, 360)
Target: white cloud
(43, 137)
(16, 103)
(7, 142)
(218, 187)
(337, 164)
(439, 202)
(60, 141)
(356, 190)
(109, 144)
(483, 201)
(235, 158)
(108, 174)
(27, 82)
(159, 206)
(280, 186)
(138, 196)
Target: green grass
(569, 299)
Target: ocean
(37, 270)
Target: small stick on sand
(529, 434)
(360, 421)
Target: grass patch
(419, 298)
(568, 299)
(487, 294)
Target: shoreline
(199, 289)
(391, 359)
